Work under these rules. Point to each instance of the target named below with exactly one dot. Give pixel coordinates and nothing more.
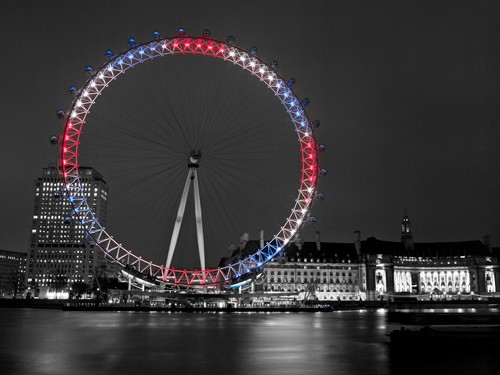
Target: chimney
(318, 240)
(487, 243)
(243, 240)
(357, 241)
(261, 238)
(299, 242)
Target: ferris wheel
(76, 123)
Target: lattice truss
(100, 79)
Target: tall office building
(60, 252)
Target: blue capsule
(274, 64)
(131, 42)
(305, 102)
(231, 39)
(72, 90)
(60, 114)
(291, 82)
(109, 54)
(89, 70)
(253, 51)
(156, 35)
(68, 220)
(181, 31)
(323, 171)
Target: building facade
(433, 269)
(60, 253)
(12, 272)
(374, 269)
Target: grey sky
(406, 91)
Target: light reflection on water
(56, 342)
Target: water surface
(36, 341)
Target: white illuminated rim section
(204, 46)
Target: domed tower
(406, 234)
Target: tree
(59, 282)
(79, 288)
(16, 284)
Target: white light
(110, 68)
(252, 64)
(309, 189)
(73, 114)
(278, 85)
(231, 53)
(85, 93)
(242, 58)
(270, 78)
(261, 70)
(79, 103)
(101, 76)
(304, 210)
(92, 84)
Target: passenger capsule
(315, 124)
(131, 42)
(72, 90)
(89, 70)
(253, 51)
(206, 33)
(274, 64)
(320, 196)
(156, 35)
(312, 219)
(60, 114)
(109, 54)
(323, 171)
(322, 148)
(305, 102)
(181, 31)
(54, 139)
(231, 39)
(291, 82)
(68, 220)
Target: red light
(210, 47)
(175, 45)
(198, 45)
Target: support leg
(199, 221)
(178, 220)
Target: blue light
(141, 52)
(130, 56)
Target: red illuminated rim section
(100, 79)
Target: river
(38, 341)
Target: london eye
(188, 154)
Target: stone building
(12, 272)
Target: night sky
(406, 91)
